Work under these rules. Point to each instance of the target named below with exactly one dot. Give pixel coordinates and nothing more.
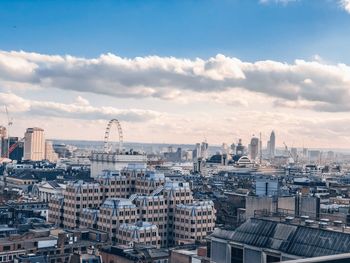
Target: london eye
(107, 143)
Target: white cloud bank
(80, 109)
(346, 5)
(311, 84)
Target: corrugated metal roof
(291, 239)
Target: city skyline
(257, 75)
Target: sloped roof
(291, 239)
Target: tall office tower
(305, 152)
(3, 144)
(18, 150)
(240, 148)
(254, 148)
(233, 148)
(34, 144)
(225, 149)
(272, 144)
(196, 152)
(204, 150)
(268, 146)
(50, 153)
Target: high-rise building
(254, 148)
(240, 148)
(204, 150)
(34, 144)
(18, 150)
(272, 144)
(196, 152)
(50, 153)
(233, 148)
(3, 144)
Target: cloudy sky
(179, 71)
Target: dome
(244, 160)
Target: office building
(50, 154)
(131, 196)
(193, 221)
(101, 161)
(34, 144)
(138, 233)
(254, 148)
(272, 149)
(3, 144)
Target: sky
(178, 71)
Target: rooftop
(292, 239)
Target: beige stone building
(149, 182)
(140, 232)
(153, 209)
(194, 221)
(77, 196)
(115, 212)
(88, 218)
(34, 144)
(55, 215)
(134, 195)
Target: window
(6, 248)
(236, 255)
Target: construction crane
(291, 158)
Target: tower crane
(290, 154)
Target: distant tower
(240, 148)
(272, 144)
(3, 145)
(204, 150)
(254, 148)
(34, 144)
(233, 148)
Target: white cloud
(345, 4)
(169, 78)
(80, 109)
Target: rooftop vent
(337, 223)
(309, 222)
(323, 225)
(289, 219)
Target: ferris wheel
(107, 144)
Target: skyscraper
(240, 148)
(254, 148)
(204, 150)
(50, 153)
(3, 145)
(272, 144)
(34, 144)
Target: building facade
(34, 144)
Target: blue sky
(242, 28)
(237, 68)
